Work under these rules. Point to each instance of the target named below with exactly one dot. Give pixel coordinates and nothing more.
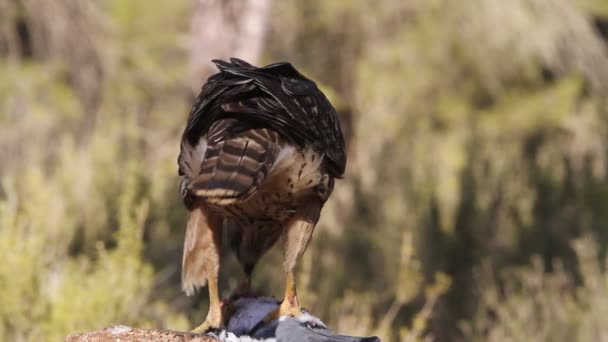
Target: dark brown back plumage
(245, 115)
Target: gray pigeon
(246, 321)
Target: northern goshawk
(259, 155)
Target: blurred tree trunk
(224, 29)
(66, 33)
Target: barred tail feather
(233, 169)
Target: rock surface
(245, 324)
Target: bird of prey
(259, 155)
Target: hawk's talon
(214, 321)
(284, 310)
(206, 327)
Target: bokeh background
(475, 205)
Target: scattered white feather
(311, 320)
(119, 329)
(225, 336)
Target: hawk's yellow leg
(290, 305)
(214, 318)
(296, 236)
(202, 260)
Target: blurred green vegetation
(476, 197)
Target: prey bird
(259, 156)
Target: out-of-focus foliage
(88, 176)
(477, 154)
(535, 305)
(477, 126)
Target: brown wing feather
(276, 97)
